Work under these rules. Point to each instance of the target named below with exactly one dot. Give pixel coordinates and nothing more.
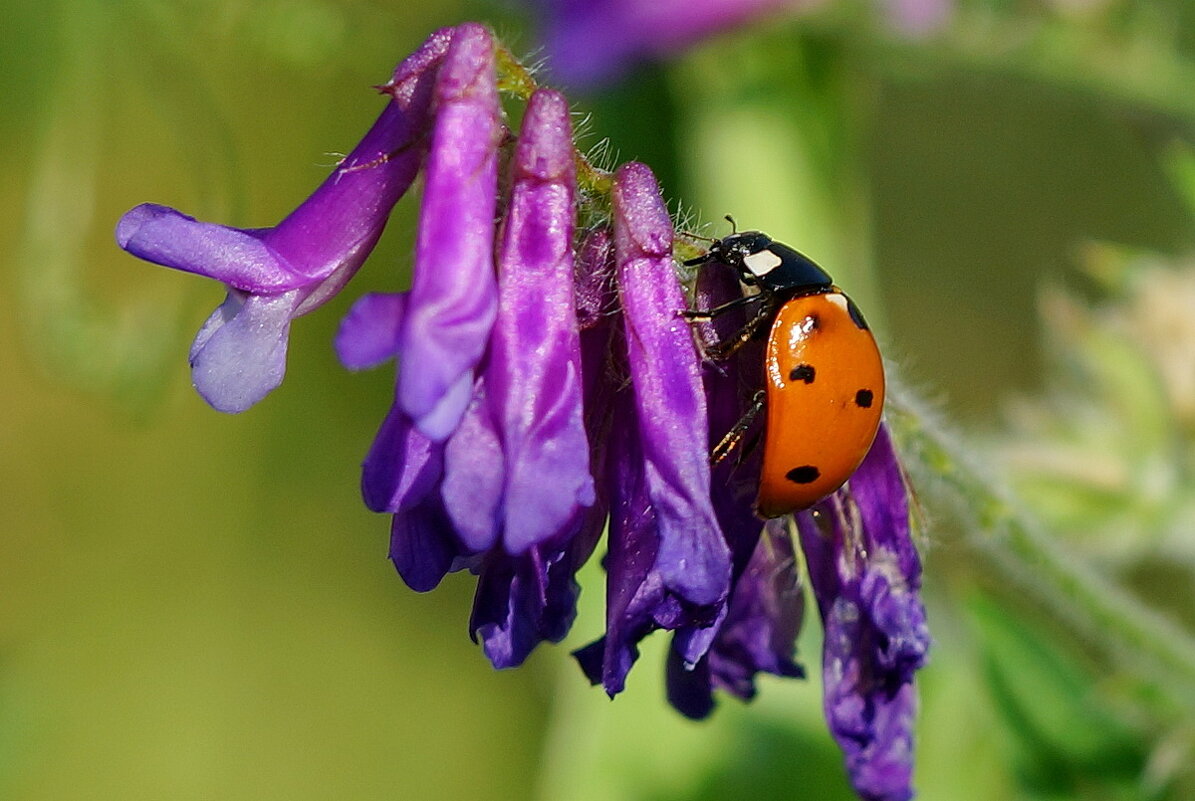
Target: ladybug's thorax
(771, 265)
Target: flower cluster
(549, 390)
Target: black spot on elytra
(863, 398)
(805, 474)
(812, 322)
(803, 372)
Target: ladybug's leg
(735, 435)
(759, 319)
(705, 315)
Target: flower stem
(1138, 639)
(515, 79)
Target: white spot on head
(762, 263)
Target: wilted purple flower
(592, 40)
(453, 297)
(866, 576)
(276, 274)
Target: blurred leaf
(1066, 739)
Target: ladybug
(823, 376)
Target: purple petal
(597, 299)
(666, 376)
(592, 40)
(533, 375)
(453, 298)
(239, 355)
(369, 333)
(422, 546)
(232, 256)
(341, 222)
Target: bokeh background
(197, 606)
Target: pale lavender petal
(443, 418)
(533, 373)
(694, 561)
(473, 474)
(369, 333)
(240, 353)
(453, 298)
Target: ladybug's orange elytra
(824, 383)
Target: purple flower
(276, 274)
(510, 491)
(866, 576)
(548, 387)
(453, 297)
(590, 41)
(533, 372)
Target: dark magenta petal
(534, 369)
(694, 560)
(369, 333)
(760, 631)
(866, 578)
(422, 546)
(453, 299)
(402, 467)
(239, 355)
(593, 40)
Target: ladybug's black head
(772, 266)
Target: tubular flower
(276, 274)
(453, 296)
(548, 389)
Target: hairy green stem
(998, 530)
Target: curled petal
(453, 299)
(297, 265)
(534, 370)
(694, 560)
(239, 258)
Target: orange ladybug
(824, 378)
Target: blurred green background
(197, 606)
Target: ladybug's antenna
(734, 227)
